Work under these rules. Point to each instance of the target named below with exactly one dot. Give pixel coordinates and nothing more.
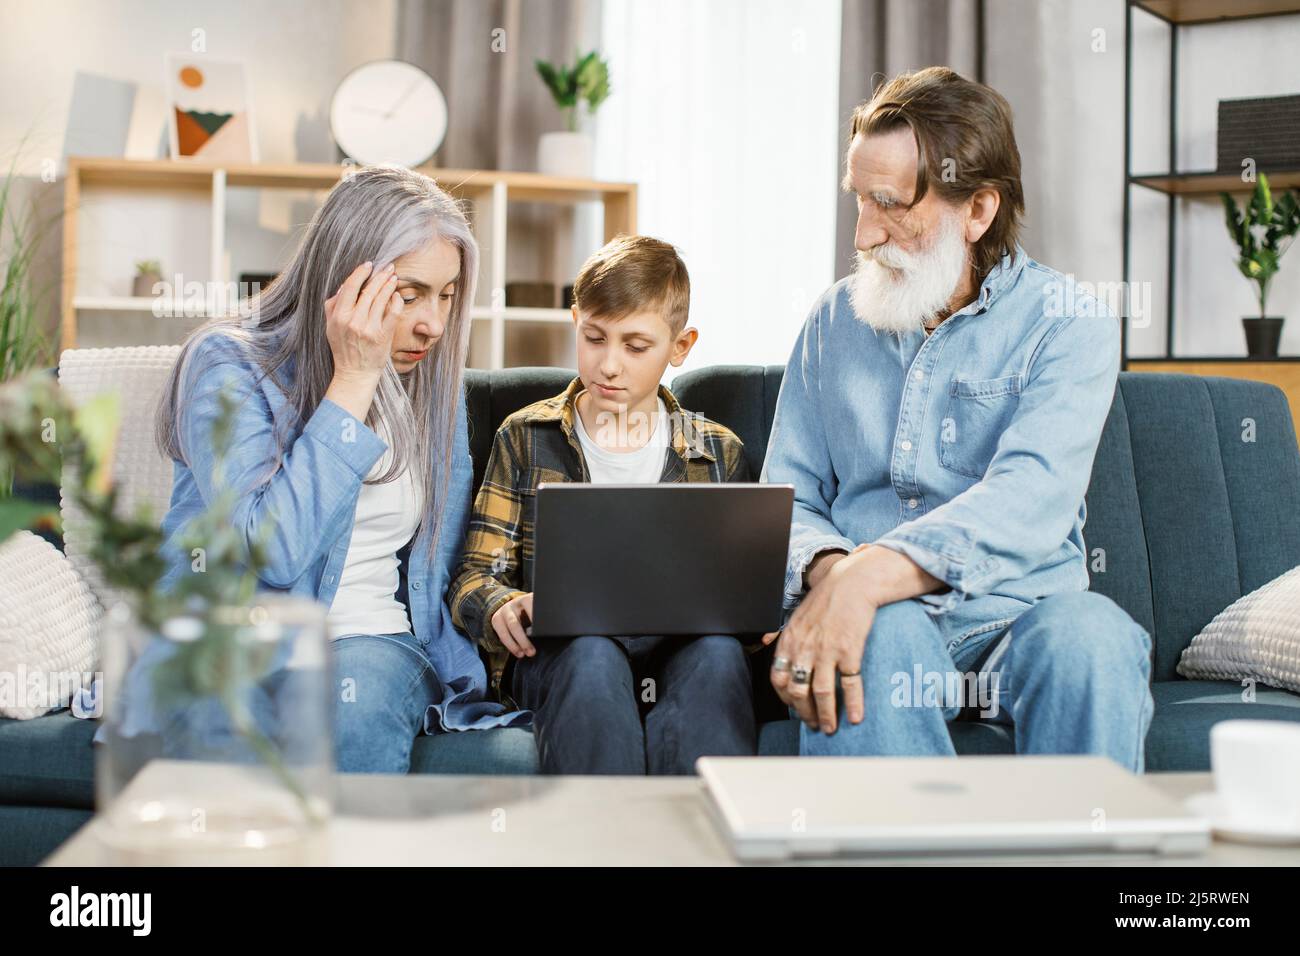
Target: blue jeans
(383, 684)
(1070, 675)
(628, 705)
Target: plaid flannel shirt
(535, 444)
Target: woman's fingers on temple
(351, 286)
(366, 299)
(381, 301)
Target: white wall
(295, 51)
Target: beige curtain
(879, 38)
(481, 53)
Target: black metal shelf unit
(1181, 13)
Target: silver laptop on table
(682, 559)
(776, 808)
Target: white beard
(897, 291)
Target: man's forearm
(888, 576)
(819, 565)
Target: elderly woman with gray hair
(350, 454)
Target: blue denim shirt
(310, 505)
(968, 450)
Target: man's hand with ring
(826, 634)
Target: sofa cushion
(1256, 638)
(1117, 561)
(491, 396)
(1217, 473)
(29, 834)
(47, 762)
(742, 397)
(1179, 738)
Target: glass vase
(216, 744)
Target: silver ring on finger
(801, 674)
(780, 663)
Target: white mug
(1256, 765)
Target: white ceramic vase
(566, 155)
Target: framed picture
(210, 109)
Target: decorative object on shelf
(570, 153)
(210, 671)
(1262, 231)
(388, 111)
(566, 297)
(530, 295)
(99, 117)
(1264, 130)
(253, 283)
(147, 273)
(210, 115)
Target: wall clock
(388, 111)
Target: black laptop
(673, 558)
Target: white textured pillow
(1256, 637)
(49, 627)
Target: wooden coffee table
(419, 820)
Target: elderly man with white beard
(938, 419)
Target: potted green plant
(1263, 231)
(147, 273)
(23, 344)
(569, 153)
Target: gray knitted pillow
(49, 628)
(1257, 637)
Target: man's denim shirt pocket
(978, 412)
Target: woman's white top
(387, 517)
(643, 466)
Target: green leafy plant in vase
(1263, 230)
(569, 153)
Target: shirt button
(416, 585)
(918, 375)
(912, 502)
(906, 446)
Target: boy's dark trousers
(632, 705)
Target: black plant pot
(1262, 336)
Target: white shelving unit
(118, 211)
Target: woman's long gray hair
(375, 213)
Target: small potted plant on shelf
(147, 272)
(1262, 231)
(569, 153)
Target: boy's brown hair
(632, 273)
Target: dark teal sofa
(1189, 517)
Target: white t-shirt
(387, 517)
(643, 466)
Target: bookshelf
(1176, 185)
(117, 211)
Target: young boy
(607, 704)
